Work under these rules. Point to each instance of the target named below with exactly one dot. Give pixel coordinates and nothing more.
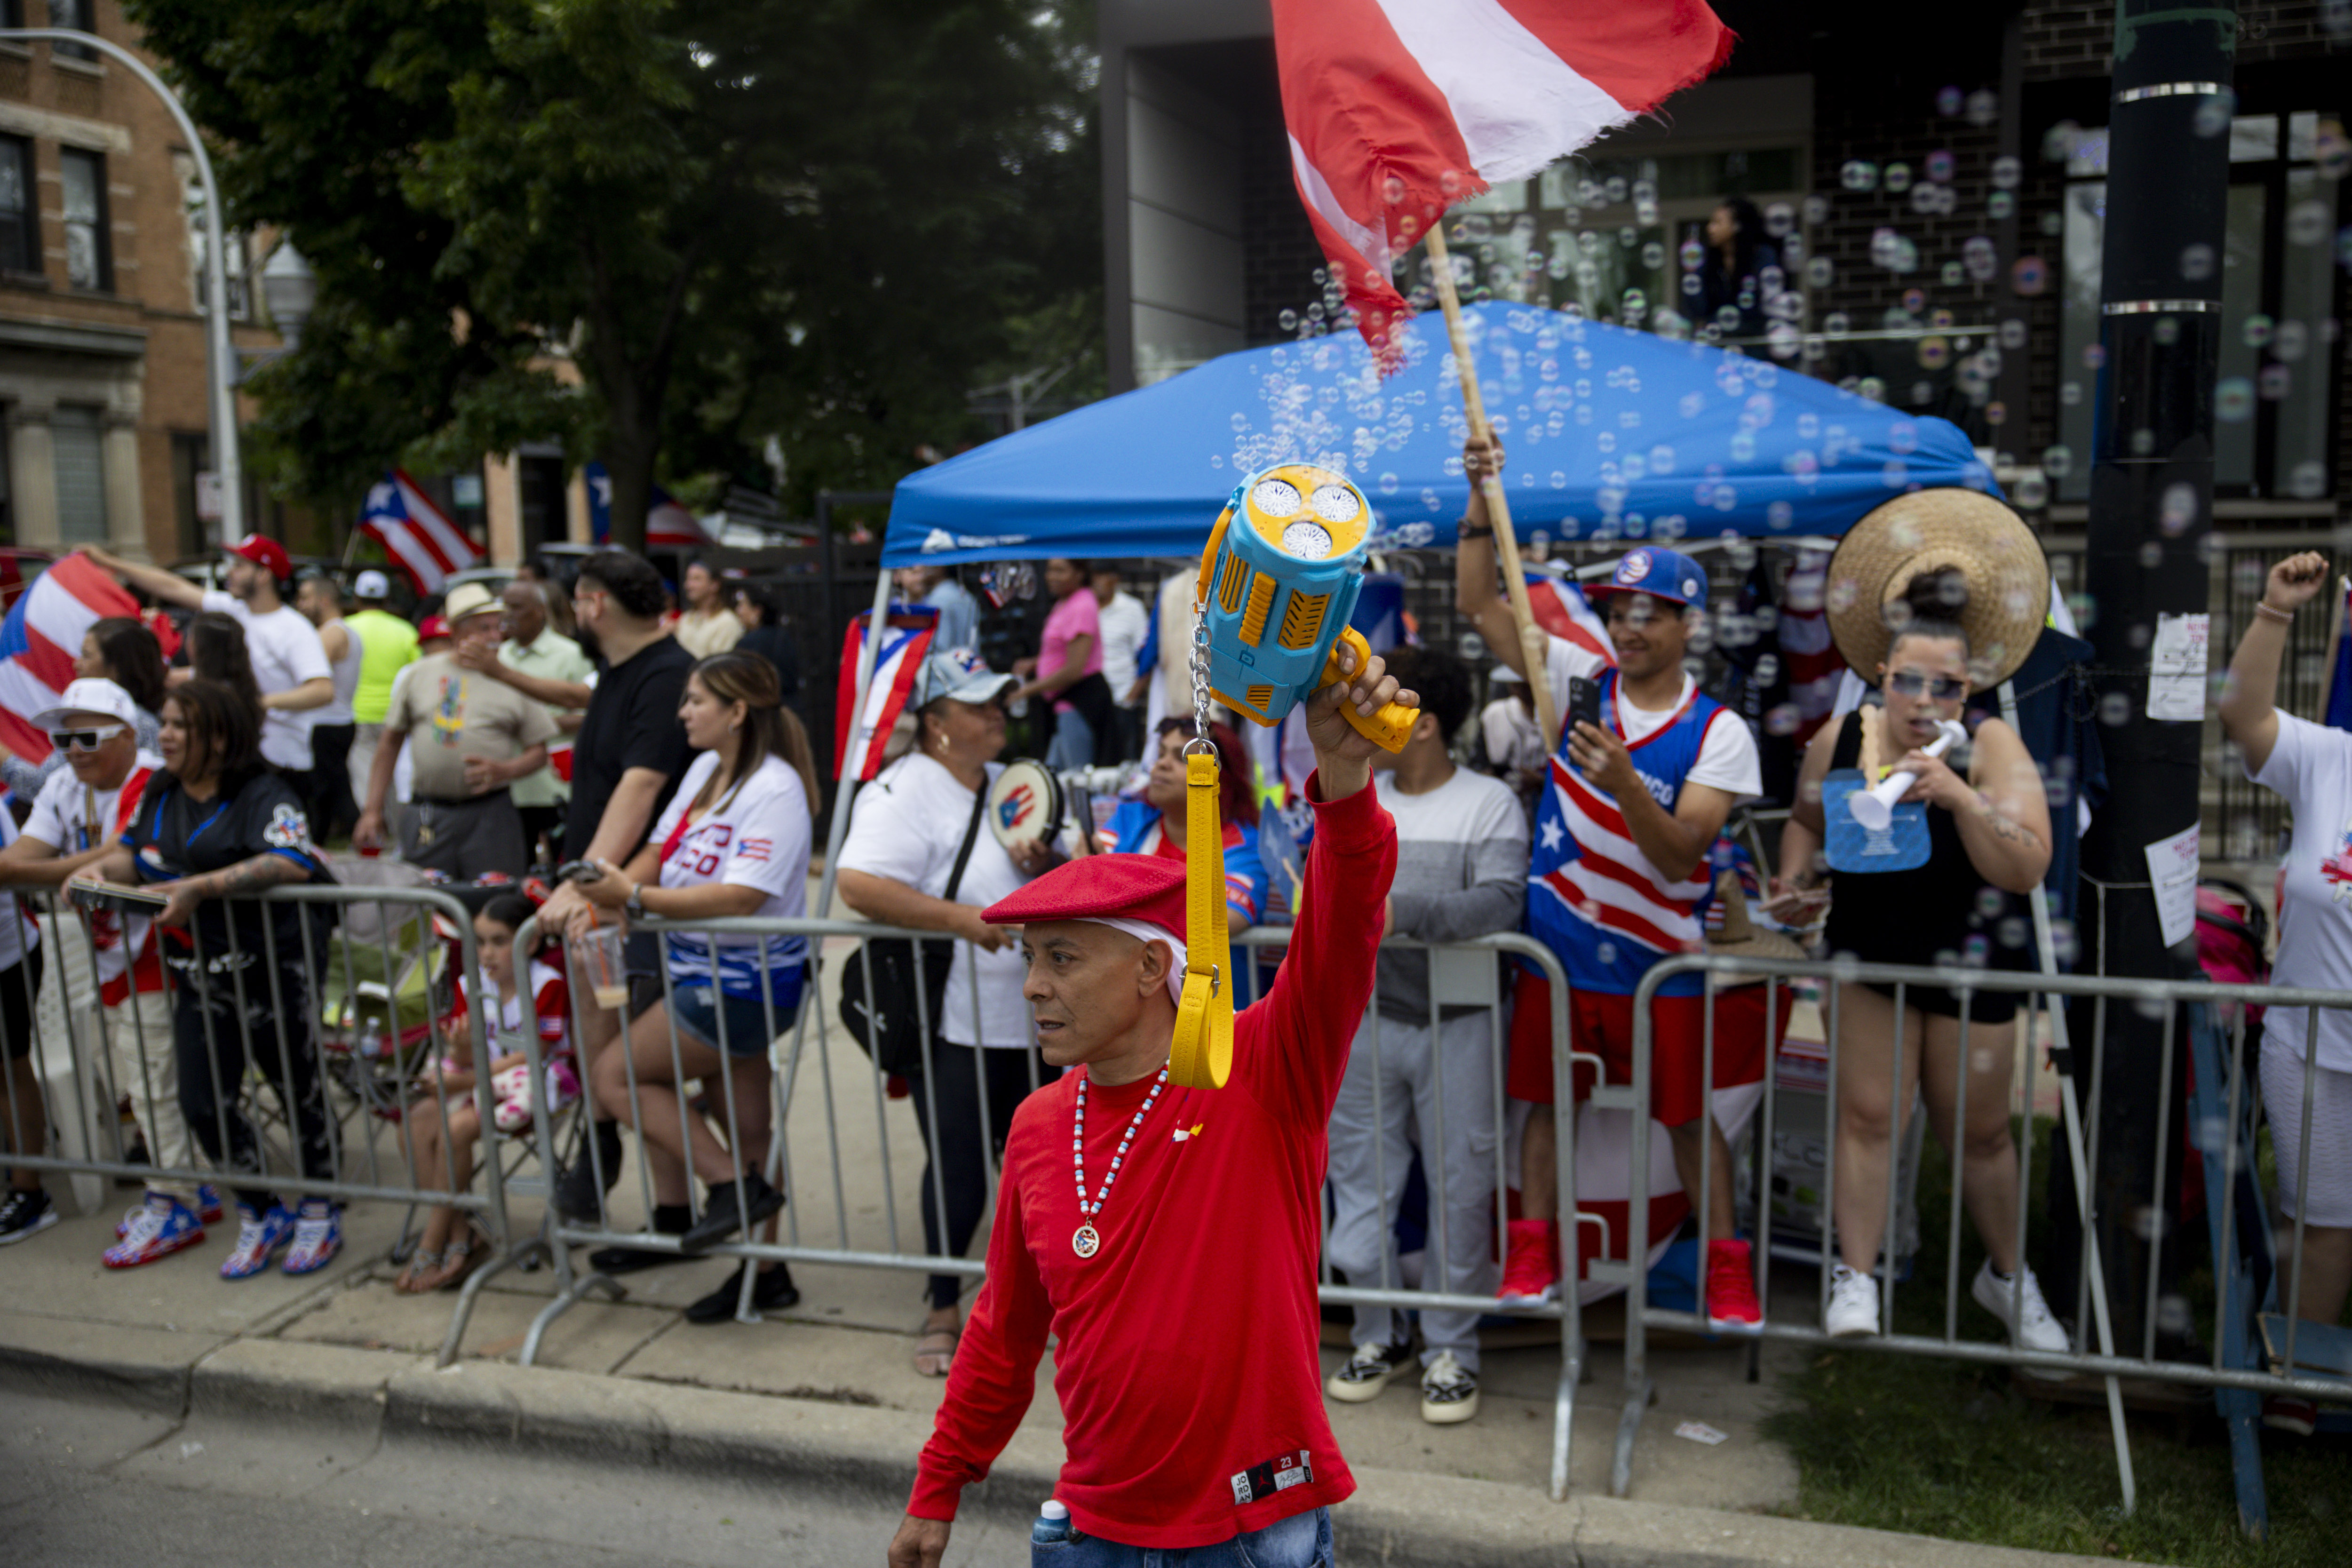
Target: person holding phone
(1632, 801)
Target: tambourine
(1025, 803)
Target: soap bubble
(2257, 331)
(1939, 167)
(2233, 400)
(1859, 175)
(2028, 276)
(2214, 111)
(2001, 204)
(2006, 174)
(2197, 263)
(1898, 178)
(1948, 101)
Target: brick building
(103, 354)
(1933, 175)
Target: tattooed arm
(243, 879)
(2005, 820)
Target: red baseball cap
(432, 627)
(1098, 887)
(266, 552)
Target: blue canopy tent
(1612, 434)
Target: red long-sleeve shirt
(1191, 1391)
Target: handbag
(894, 1036)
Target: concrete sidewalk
(825, 1396)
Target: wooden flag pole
(1533, 639)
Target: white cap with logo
(89, 695)
(371, 584)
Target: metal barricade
(286, 1067)
(2123, 1350)
(818, 1224)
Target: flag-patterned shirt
(755, 835)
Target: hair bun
(1938, 595)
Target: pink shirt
(1074, 616)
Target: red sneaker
(1731, 1287)
(1531, 1261)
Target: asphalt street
(84, 1484)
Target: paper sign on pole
(2172, 867)
(2176, 674)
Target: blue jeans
(1302, 1541)
(1072, 745)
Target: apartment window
(82, 475)
(89, 255)
(2274, 388)
(20, 225)
(83, 17)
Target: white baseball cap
(89, 695)
(371, 584)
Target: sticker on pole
(1899, 846)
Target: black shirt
(174, 835)
(631, 722)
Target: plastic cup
(597, 964)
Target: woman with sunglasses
(1987, 822)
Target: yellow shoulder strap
(1201, 1055)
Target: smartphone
(579, 871)
(1583, 703)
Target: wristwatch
(633, 906)
(1466, 528)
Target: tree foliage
(806, 221)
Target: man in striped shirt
(1629, 810)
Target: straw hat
(1740, 937)
(1934, 530)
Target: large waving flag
(41, 639)
(419, 539)
(858, 737)
(668, 525)
(1562, 610)
(1399, 108)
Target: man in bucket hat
(1177, 1271)
(1629, 809)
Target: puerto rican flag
(42, 636)
(420, 539)
(1562, 610)
(668, 525)
(860, 734)
(1399, 108)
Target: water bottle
(1053, 1526)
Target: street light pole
(227, 466)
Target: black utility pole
(2151, 510)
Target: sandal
(463, 1261)
(935, 1351)
(421, 1275)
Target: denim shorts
(698, 1009)
(1302, 1541)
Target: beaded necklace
(1088, 1241)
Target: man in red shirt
(1167, 1237)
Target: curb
(867, 1454)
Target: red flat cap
(1100, 887)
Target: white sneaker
(1369, 1371)
(1854, 1305)
(1449, 1391)
(2035, 1329)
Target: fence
(318, 1030)
(823, 1081)
(2221, 1130)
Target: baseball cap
(432, 627)
(89, 695)
(469, 599)
(1658, 571)
(961, 674)
(266, 552)
(371, 584)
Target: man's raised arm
(165, 587)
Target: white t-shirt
(1726, 759)
(1513, 739)
(286, 651)
(1125, 623)
(907, 825)
(2312, 766)
(70, 818)
(756, 834)
(549, 1006)
(18, 934)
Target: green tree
(809, 220)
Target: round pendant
(1087, 1242)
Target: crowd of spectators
(646, 742)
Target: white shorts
(2323, 1193)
